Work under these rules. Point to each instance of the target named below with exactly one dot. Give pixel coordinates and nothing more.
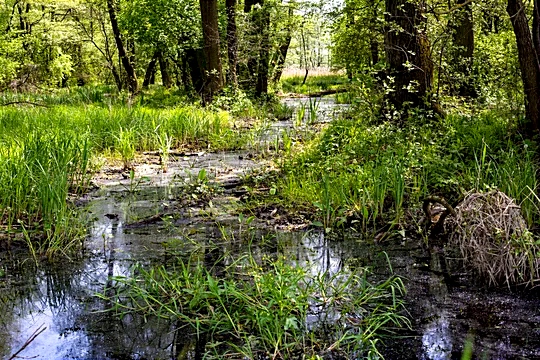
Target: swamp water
(53, 309)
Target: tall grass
(38, 172)
(376, 173)
(263, 313)
(315, 83)
(46, 153)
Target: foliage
(264, 312)
(366, 172)
(46, 153)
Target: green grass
(46, 153)
(373, 173)
(263, 312)
(313, 84)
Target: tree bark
(264, 52)
(150, 70)
(463, 36)
(126, 63)
(232, 42)
(213, 77)
(536, 27)
(408, 56)
(529, 65)
(164, 70)
(196, 70)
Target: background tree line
(417, 51)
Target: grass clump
(264, 312)
(39, 172)
(367, 173)
(47, 153)
(494, 240)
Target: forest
(269, 179)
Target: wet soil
(156, 217)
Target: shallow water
(445, 308)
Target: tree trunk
(249, 70)
(150, 70)
(373, 42)
(282, 56)
(407, 56)
(463, 35)
(184, 74)
(196, 70)
(232, 42)
(529, 65)
(213, 77)
(278, 61)
(536, 27)
(164, 70)
(127, 64)
(264, 52)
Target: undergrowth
(49, 143)
(365, 173)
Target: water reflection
(437, 339)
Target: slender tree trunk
(278, 62)
(463, 36)
(249, 77)
(304, 57)
(264, 52)
(529, 64)
(373, 42)
(213, 78)
(164, 70)
(184, 74)
(536, 27)
(374, 49)
(282, 56)
(196, 69)
(232, 42)
(150, 70)
(127, 64)
(407, 56)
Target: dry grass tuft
(492, 235)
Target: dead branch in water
(32, 337)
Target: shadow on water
(444, 306)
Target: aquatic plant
(39, 172)
(260, 309)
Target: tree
(213, 77)
(278, 60)
(358, 34)
(463, 38)
(232, 41)
(122, 53)
(407, 55)
(528, 53)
